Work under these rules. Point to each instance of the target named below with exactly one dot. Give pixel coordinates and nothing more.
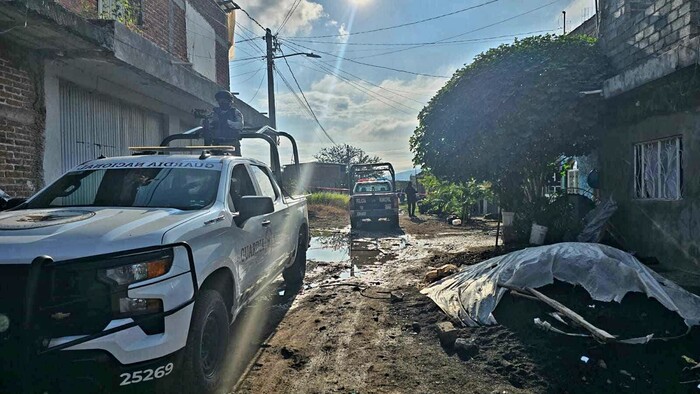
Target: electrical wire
(249, 17)
(247, 73)
(373, 65)
(258, 89)
(296, 96)
(305, 100)
(465, 33)
(288, 16)
(421, 43)
(409, 23)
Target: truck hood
(67, 233)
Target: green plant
(327, 198)
(447, 198)
(123, 11)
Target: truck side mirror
(251, 206)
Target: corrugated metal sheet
(93, 124)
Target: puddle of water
(352, 272)
(328, 249)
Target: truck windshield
(185, 189)
(369, 187)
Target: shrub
(327, 198)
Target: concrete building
(651, 145)
(315, 176)
(84, 78)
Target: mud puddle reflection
(355, 256)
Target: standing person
(411, 199)
(226, 124)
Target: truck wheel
(294, 274)
(207, 341)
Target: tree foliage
(507, 116)
(345, 154)
(445, 197)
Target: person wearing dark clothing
(411, 199)
(225, 125)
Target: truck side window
(241, 184)
(266, 186)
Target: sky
(374, 105)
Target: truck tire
(207, 341)
(294, 274)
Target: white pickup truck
(129, 269)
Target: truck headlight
(136, 272)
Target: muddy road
(361, 326)
(353, 328)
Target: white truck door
(253, 238)
(278, 222)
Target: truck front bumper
(38, 350)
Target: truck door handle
(266, 223)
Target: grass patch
(330, 199)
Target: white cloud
(343, 31)
(352, 116)
(271, 13)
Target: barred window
(657, 169)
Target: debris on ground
(439, 273)
(606, 273)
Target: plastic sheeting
(596, 220)
(472, 294)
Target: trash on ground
(607, 274)
(439, 273)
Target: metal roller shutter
(94, 124)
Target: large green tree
(511, 113)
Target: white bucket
(537, 234)
(507, 218)
(457, 222)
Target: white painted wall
(201, 43)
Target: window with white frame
(657, 169)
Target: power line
(258, 89)
(296, 97)
(465, 33)
(250, 17)
(370, 93)
(364, 90)
(247, 73)
(307, 101)
(422, 43)
(409, 23)
(373, 65)
(288, 16)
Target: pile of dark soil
(542, 361)
(472, 256)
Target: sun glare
(360, 3)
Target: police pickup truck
(128, 270)
(373, 198)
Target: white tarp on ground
(472, 294)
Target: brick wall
(21, 138)
(634, 30)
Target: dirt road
(361, 326)
(353, 328)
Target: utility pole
(270, 79)
(564, 12)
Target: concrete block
(447, 333)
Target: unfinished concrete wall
(669, 229)
(21, 127)
(632, 31)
